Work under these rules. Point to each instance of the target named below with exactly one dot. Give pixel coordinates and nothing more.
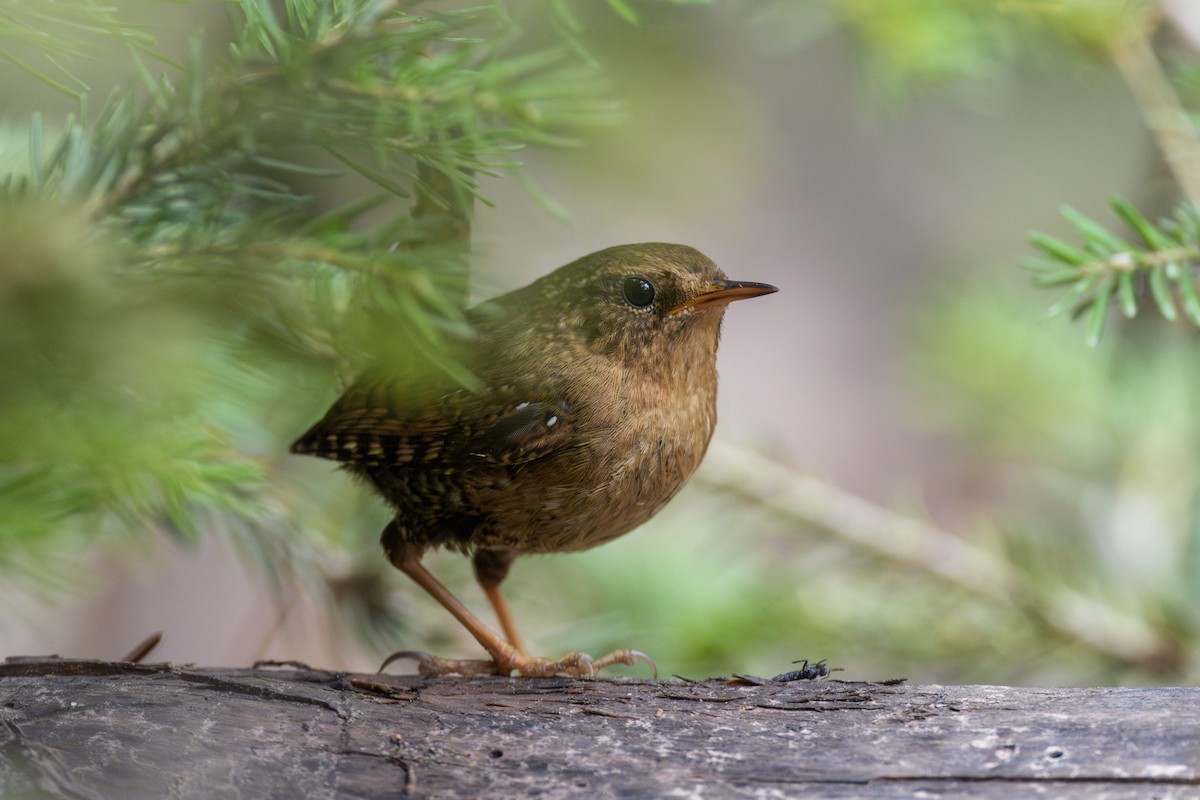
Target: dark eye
(638, 292)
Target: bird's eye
(637, 291)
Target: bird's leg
(491, 568)
(506, 659)
(407, 559)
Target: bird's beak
(722, 292)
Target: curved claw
(416, 655)
(430, 666)
(627, 657)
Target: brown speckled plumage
(593, 412)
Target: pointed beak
(722, 292)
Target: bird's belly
(578, 500)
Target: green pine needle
(1161, 293)
(1100, 309)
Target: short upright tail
(317, 443)
(354, 447)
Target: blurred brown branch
(1165, 115)
(950, 557)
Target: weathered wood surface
(86, 729)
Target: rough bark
(87, 729)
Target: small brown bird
(596, 402)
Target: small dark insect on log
(807, 672)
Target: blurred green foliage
(907, 46)
(43, 39)
(1097, 462)
(949, 42)
(174, 295)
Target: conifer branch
(1107, 269)
(1162, 264)
(164, 253)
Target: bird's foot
(577, 665)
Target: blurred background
(916, 472)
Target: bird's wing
(372, 426)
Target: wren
(595, 402)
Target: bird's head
(628, 298)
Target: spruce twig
(1162, 264)
(163, 255)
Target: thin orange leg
(500, 606)
(491, 568)
(504, 655)
(506, 658)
